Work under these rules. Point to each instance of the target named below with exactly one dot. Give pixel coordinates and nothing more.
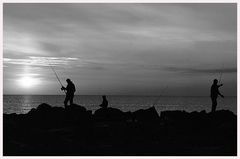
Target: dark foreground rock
(75, 131)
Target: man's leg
(66, 100)
(214, 104)
(71, 99)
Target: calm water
(24, 103)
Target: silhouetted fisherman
(70, 92)
(214, 94)
(104, 102)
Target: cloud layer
(119, 46)
(202, 71)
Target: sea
(21, 104)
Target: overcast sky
(126, 49)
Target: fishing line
(55, 73)
(161, 94)
(220, 78)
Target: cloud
(201, 71)
(21, 42)
(28, 75)
(40, 61)
(58, 61)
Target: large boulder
(183, 118)
(223, 118)
(109, 114)
(46, 111)
(41, 109)
(199, 120)
(45, 116)
(176, 115)
(44, 107)
(77, 113)
(143, 115)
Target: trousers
(69, 97)
(214, 103)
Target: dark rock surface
(147, 115)
(75, 131)
(109, 114)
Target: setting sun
(28, 82)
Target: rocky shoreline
(75, 131)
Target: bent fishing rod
(55, 74)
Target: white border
(111, 1)
(120, 1)
(1, 81)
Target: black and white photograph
(119, 79)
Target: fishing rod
(159, 96)
(220, 75)
(55, 73)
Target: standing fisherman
(70, 92)
(214, 94)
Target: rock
(44, 107)
(77, 113)
(109, 114)
(75, 107)
(143, 115)
(46, 116)
(32, 111)
(173, 115)
(42, 110)
(74, 131)
(223, 116)
(129, 116)
(45, 110)
(198, 120)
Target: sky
(120, 49)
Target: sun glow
(28, 82)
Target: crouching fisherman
(70, 90)
(104, 102)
